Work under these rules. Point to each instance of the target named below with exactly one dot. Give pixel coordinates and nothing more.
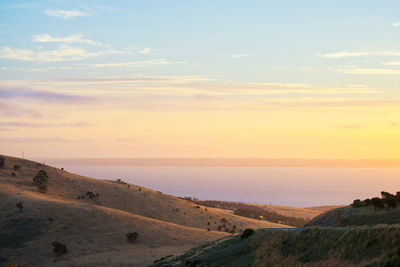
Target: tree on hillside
(358, 203)
(398, 196)
(386, 195)
(377, 203)
(41, 179)
(2, 162)
(391, 202)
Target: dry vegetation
(357, 246)
(97, 219)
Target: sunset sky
(271, 79)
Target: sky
(243, 79)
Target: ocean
(298, 187)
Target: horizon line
(227, 162)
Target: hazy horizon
(229, 162)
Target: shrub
(17, 167)
(131, 237)
(20, 206)
(59, 248)
(2, 162)
(358, 203)
(246, 233)
(391, 202)
(13, 174)
(377, 202)
(41, 178)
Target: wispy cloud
(368, 71)
(62, 53)
(145, 51)
(396, 24)
(346, 54)
(9, 93)
(41, 140)
(240, 55)
(24, 124)
(343, 54)
(15, 111)
(135, 63)
(77, 38)
(392, 63)
(65, 14)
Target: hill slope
(95, 228)
(357, 246)
(356, 216)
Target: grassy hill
(371, 211)
(356, 216)
(94, 229)
(292, 216)
(314, 246)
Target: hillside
(95, 229)
(357, 246)
(370, 211)
(296, 217)
(252, 211)
(356, 216)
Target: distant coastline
(231, 162)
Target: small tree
(59, 248)
(20, 206)
(358, 203)
(2, 162)
(41, 180)
(377, 203)
(17, 167)
(246, 233)
(391, 202)
(131, 237)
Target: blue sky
(237, 40)
(68, 61)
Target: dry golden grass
(95, 229)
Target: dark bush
(59, 248)
(391, 202)
(20, 206)
(368, 202)
(386, 195)
(17, 167)
(377, 203)
(131, 237)
(2, 162)
(13, 174)
(246, 233)
(41, 178)
(358, 203)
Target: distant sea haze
(292, 186)
(234, 162)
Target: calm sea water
(299, 187)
